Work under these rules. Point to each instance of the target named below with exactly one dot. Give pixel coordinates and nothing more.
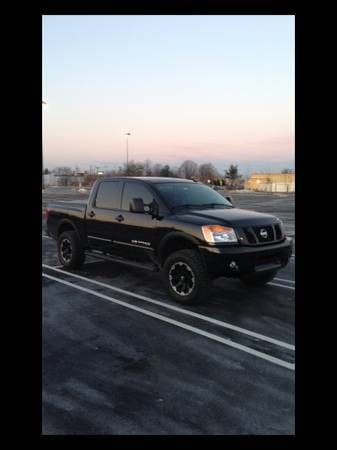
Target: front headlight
(217, 233)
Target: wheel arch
(176, 241)
(65, 225)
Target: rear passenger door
(137, 229)
(102, 222)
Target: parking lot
(120, 357)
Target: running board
(147, 266)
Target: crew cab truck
(186, 230)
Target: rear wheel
(70, 251)
(258, 279)
(185, 276)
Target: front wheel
(258, 279)
(186, 277)
(70, 250)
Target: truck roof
(150, 180)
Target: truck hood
(234, 217)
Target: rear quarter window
(109, 195)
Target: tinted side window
(135, 190)
(109, 195)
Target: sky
(214, 89)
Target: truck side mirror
(229, 199)
(137, 205)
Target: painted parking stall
(230, 302)
(231, 338)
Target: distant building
(53, 180)
(50, 179)
(271, 182)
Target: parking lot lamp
(43, 103)
(127, 152)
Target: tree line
(206, 173)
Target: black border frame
(31, 90)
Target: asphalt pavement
(121, 358)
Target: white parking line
(84, 264)
(180, 310)
(281, 285)
(195, 330)
(284, 279)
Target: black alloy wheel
(182, 278)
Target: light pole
(43, 103)
(127, 152)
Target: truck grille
(264, 234)
(250, 235)
(278, 232)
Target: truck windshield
(191, 195)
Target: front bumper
(235, 261)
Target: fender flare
(175, 235)
(67, 222)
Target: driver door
(136, 231)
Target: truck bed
(66, 210)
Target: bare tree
(175, 172)
(207, 172)
(121, 171)
(89, 179)
(64, 173)
(63, 170)
(188, 169)
(135, 169)
(147, 168)
(156, 169)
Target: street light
(127, 152)
(43, 103)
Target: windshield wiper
(201, 205)
(212, 205)
(186, 205)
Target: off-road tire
(190, 262)
(76, 256)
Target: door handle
(120, 218)
(92, 214)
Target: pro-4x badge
(134, 241)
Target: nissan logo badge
(263, 233)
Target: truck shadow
(225, 295)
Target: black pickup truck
(185, 229)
